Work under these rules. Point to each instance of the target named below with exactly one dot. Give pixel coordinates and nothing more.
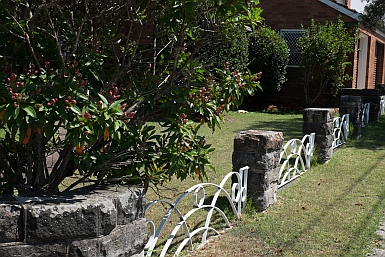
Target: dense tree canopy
(97, 71)
(374, 14)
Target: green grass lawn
(333, 210)
(222, 140)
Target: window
(291, 36)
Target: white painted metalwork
(340, 130)
(365, 114)
(382, 105)
(295, 158)
(236, 201)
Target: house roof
(350, 13)
(342, 9)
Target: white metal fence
(295, 158)
(365, 114)
(340, 130)
(236, 201)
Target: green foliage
(80, 79)
(373, 16)
(269, 53)
(228, 46)
(325, 50)
(352, 131)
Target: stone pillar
(352, 105)
(320, 121)
(259, 150)
(373, 96)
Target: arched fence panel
(236, 200)
(365, 114)
(340, 130)
(295, 158)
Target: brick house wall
(289, 14)
(375, 61)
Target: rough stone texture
(258, 141)
(372, 92)
(326, 153)
(124, 241)
(42, 250)
(260, 151)
(379, 250)
(258, 163)
(324, 141)
(93, 221)
(351, 92)
(321, 115)
(352, 105)
(318, 127)
(373, 96)
(320, 121)
(10, 223)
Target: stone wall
(94, 221)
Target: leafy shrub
(268, 53)
(228, 46)
(325, 49)
(97, 81)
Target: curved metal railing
(365, 114)
(340, 130)
(236, 201)
(295, 158)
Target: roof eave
(344, 10)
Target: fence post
(352, 105)
(259, 150)
(373, 96)
(320, 121)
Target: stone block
(257, 182)
(351, 92)
(130, 206)
(127, 240)
(371, 92)
(84, 222)
(10, 223)
(353, 112)
(38, 250)
(326, 154)
(323, 115)
(83, 218)
(262, 200)
(374, 116)
(323, 141)
(319, 128)
(258, 141)
(350, 101)
(258, 163)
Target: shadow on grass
(196, 221)
(373, 138)
(290, 128)
(362, 225)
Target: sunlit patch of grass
(222, 140)
(333, 210)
